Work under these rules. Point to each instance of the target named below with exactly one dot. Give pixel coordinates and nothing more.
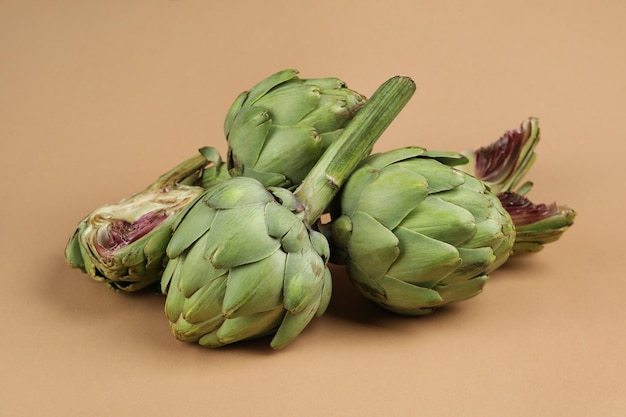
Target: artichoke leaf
(403, 295)
(441, 220)
(191, 332)
(470, 200)
(205, 303)
(170, 285)
(255, 287)
(233, 111)
(269, 179)
(237, 193)
(195, 270)
(370, 288)
(248, 134)
(295, 239)
(320, 244)
(290, 102)
(306, 154)
(423, 260)
(446, 157)
(197, 221)
(440, 177)
(303, 281)
(263, 87)
(155, 244)
(381, 160)
(280, 220)
(475, 262)
(239, 236)
(353, 190)
(167, 275)
(73, 252)
(245, 327)
(292, 325)
(380, 198)
(372, 245)
(326, 294)
(329, 83)
(488, 233)
(462, 290)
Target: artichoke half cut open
(123, 244)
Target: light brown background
(98, 98)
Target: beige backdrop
(97, 98)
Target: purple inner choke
(491, 161)
(523, 211)
(121, 232)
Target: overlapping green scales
(440, 232)
(274, 159)
(249, 132)
(245, 327)
(290, 102)
(423, 260)
(299, 289)
(247, 241)
(205, 303)
(441, 220)
(197, 220)
(255, 266)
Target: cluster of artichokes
(238, 246)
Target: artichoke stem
(355, 143)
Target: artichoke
(535, 224)
(243, 265)
(245, 260)
(278, 129)
(123, 244)
(415, 233)
(502, 164)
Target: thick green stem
(355, 143)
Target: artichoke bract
(504, 163)
(535, 224)
(123, 244)
(415, 233)
(278, 129)
(245, 260)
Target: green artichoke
(415, 233)
(244, 259)
(123, 244)
(278, 130)
(243, 265)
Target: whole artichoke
(244, 264)
(415, 233)
(123, 244)
(278, 130)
